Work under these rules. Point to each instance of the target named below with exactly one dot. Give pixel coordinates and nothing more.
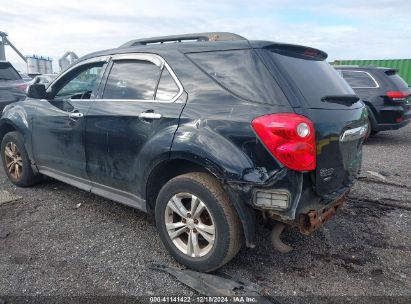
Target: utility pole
(2, 50)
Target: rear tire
(369, 130)
(16, 162)
(197, 223)
(370, 121)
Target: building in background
(37, 65)
(402, 65)
(67, 59)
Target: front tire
(16, 162)
(197, 223)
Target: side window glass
(359, 79)
(242, 73)
(167, 88)
(81, 84)
(132, 79)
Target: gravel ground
(48, 246)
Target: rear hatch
(318, 92)
(399, 94)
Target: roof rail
(345, 65)
(208, 36)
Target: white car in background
(44, 79)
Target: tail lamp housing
(397, 95)
(290, 138)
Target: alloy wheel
(14, 162)
(190, 224)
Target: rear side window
(242, 73)
(315, 79)
(398, 81)
(358, 79)
(167, 88)
(7, 72)
(132, 79)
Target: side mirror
(37, 91)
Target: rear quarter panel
(215, 128)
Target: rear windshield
(315, 79)
(242, 73)
(7, 72)
(359, 79)
(398, 81)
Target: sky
(346, 29)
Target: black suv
(12, 86)
(386, 95)
(209, 132)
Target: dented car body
(211, 104)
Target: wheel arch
(7, 126)
(372, 113)
(173, 167)
(163, 172)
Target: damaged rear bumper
(310, 220)
(287, 197)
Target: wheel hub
(190, 225)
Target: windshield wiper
(347, 100)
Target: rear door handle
(76, 115)
(150, 115)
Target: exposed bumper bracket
(313, 219)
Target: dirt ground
(50, 246)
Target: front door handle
(150, 115)
(76, 115)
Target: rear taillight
(397, 95)
(399, 119)
(290, 138)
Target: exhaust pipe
(276, 241)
